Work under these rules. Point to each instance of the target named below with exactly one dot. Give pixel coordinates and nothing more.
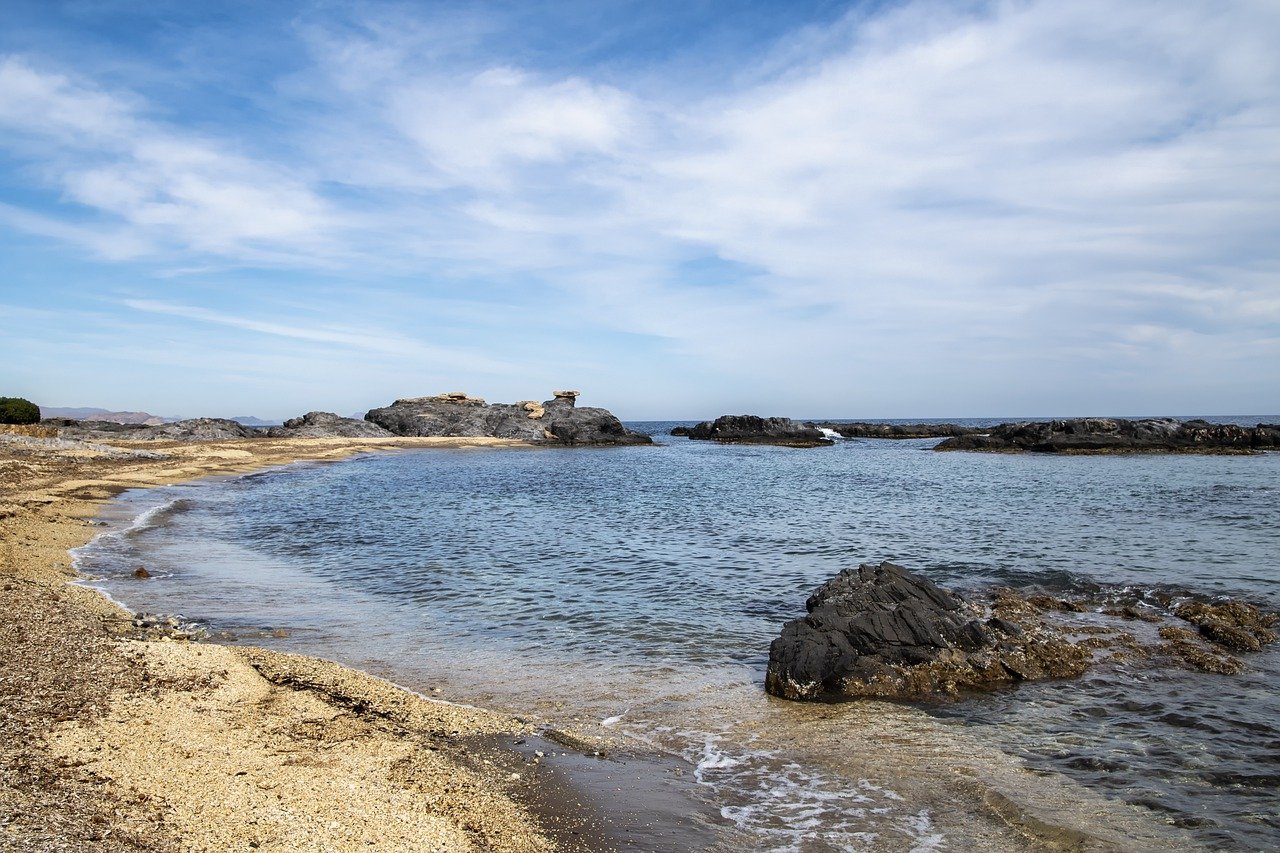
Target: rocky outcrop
(326, 425)
(194, 429)
(881, 631)
(558, 421)
(1113, 435)
(861, 429)
(753, 429)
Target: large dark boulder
(326, 425)
(557, 421)
(753, 429)
(1115, 435)
(859, 429)
(881, 631)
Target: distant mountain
(89, 413)
(250, 420)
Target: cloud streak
(876, 211)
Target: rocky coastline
(1071, 436)
(1117, 435)
(753, 429)
(862, 429)
(881, 631)
(555, 422)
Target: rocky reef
(880, 631)
(557, 421)
(1114, 435)
(326, 425)
(861, 429)
(753, 429)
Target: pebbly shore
(116, 736)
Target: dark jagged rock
(194, 429)
(753, 429)
(1113, 435)
(881, 631)
(327, 425)
(867, 430)
(556, 421)
(680, 430)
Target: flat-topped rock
(1116, 435)
(753, 429)
(555, 421)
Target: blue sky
(887, 209)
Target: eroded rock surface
(326, 425)
(881, 631)
(1114, 435)
(556, 421)
(193, 429)
(861, 429)
(753, 429)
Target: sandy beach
(114, 737)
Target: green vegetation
(15, 410)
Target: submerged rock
(753, 429)
(556, 421)
(881, 631)
(1114, 435)
(327, 425)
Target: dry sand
(115, 739)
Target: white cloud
(171, 189)
(913, 195)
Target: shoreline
(159, 793)
(120, 741)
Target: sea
(633, 593)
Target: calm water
(639, 588)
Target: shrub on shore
(16, 410)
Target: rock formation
(1111, 435)
(867, 430)
(881, 631)
(194, 429)
(556, 421)
(753, 429)
(326, 425)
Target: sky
(682, 209)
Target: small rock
(141, 572)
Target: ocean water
(635, 591)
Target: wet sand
(116, 738)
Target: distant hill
(88, 413)
(250, 420)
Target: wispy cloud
(876, 210)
